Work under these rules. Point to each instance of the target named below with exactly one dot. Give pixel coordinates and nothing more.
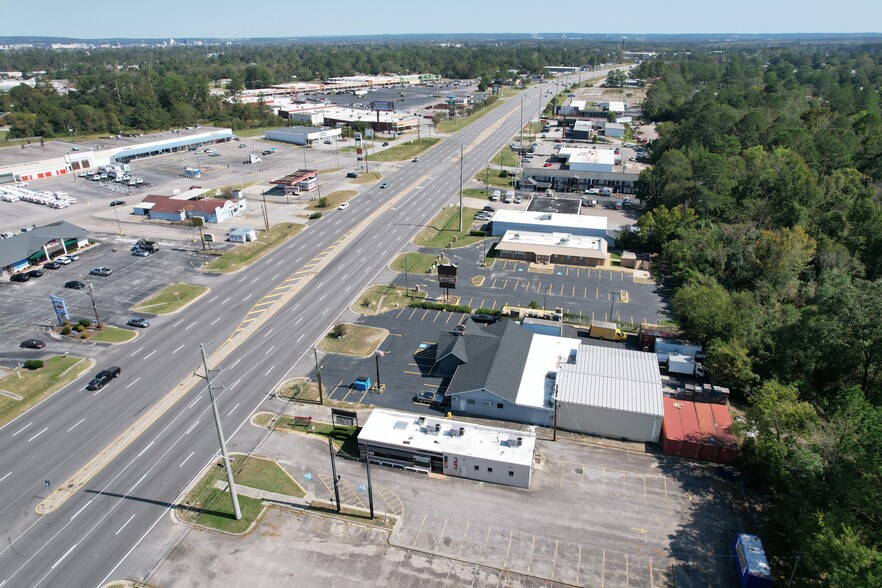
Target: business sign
(387, 105)
(60, 309)
(447, 276)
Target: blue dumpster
(363, 383)
(753, 566)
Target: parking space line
(400, 312)
(554, 559)
(420, 530)
(493, 285)
(504, 284)
(517, 283)
(579, 564)
(493, 306)
(532, 553)
(449, 316)
(597, 293)
(482, 303)
(508, 549)
(425, 314)
(486, 540)
(436, 316)
(440, 535)
(464, 535)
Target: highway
(94, 535)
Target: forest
(146, 89)
(763, 207)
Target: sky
(182, 19)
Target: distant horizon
(278, 19)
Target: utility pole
(334, 473)
(94, 304)
(220, 437)
(554, 437)
(367, 466)
(318, 376)
(612, 302)
(265, 215)
(460, 186)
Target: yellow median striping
(104, 457)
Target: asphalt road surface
(93, 536)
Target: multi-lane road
(273, 312)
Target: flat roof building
(301, 135)
(554, 248)
(455, 448)
(548, 222)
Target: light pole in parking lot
(118, 226)
(612, 300)
(318, 376)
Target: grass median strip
(380, 298)
(357, 340)
(247, 253)
(26, 388)
(209, 506)
(170, 299)
(109, 334)
(404, 150)
(444, 228)
(344, 438)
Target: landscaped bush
(489, 311)
(85, 322)
(315, 216)
(78, 328)
(440, 306)
(338, 331)
(65, 330)
(33, 364)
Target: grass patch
(415, 262)
(247, 253)
(445, 227)
(477, 281)
(170, 299)
(368, 178)
(457, 124)
(404, 150)
(475, 193)
(299, 389)
(359, 340)
(505, 158)
(355, 515)
(333, 199)
(344, 438)
(211, 507)
(258, 132)
(497, 179)
(377, 299)
(35, 385)
(110, 334)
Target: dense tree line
(156, 88)
(764, 207)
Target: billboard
(383, 105)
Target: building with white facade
(555, 248)
(302, 135)
(548, 222)
(454, 448)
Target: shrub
(78, 328)
(489, 311)
(533, 304)
(315, 216)
(478, 233)
(338, 331)
(322, 202)
(440, 306)
(65, 330)
(33, 364)
(84, 336)
(85, 322)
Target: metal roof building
(611, 392)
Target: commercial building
(380, 121)
(583, 130)
(454, 448)
(555, 248)
(38, 244)
(302, 135)
(611, 129)
(176, 209)
(589, 160)
(611, 392)
(540, 179)
(55, 158)
(303, 180)
(504, 221)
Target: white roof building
(595, 160)
(611, 392)
(554, 246)
(456, 448)
(548, 222)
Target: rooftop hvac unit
(437, 427)
(461, 431)
(520, 441)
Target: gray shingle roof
(24, 245)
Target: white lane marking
(236, 383)
(247, 297)
(268, 259)
(234, 408)
(82, 508)
(137, 351)
(242, 278)
(195, 400)
(193, 426)
(38, 434)
(270, 349)
(268, 333)
(6, 476)
(359, 250)
(124, 524)
(298, 321)
(272, 367)
(22, 429)
(133, 383)
(299, 338)
(178, 349)
(274, 277)
(186, 459)
(214, 321)
(177, 323)
(190, 325)
(349, 287)
(227, 299)
(255, 279)
(74, 546)
(75, 426)
(212, 300)
(296, 306)
(344, 277)
(149, 354)
(281, 262)
(149, 445)
(235, 362)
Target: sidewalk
(268, 497)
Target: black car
(35, 273)
(117, 202)
(33, 344)
(53, 265)
(74, 285)
(103, 377)
(483, 318)
(489, 209)
(385, 143)
(352, 175)
(19, 277)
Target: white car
(343, 206)
(63, 260)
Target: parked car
(327, 142)
(103, 377)
(483, 318)
(489, 209)
(63, 260)
(19, 277)
(117, 202)
(33, 344)
(141, 252)
(35, 273)
(100, 271)
(74, 285)
(546, 164)
(431, 398)
(70, 256)
(53, 265)
(139, 322)
(415, 159)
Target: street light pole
(612, 302)
(318, 376)
(94, 304)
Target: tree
(339, 331)
(704, 310)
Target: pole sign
(60, 309)
(386, 105)
(447, 276)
